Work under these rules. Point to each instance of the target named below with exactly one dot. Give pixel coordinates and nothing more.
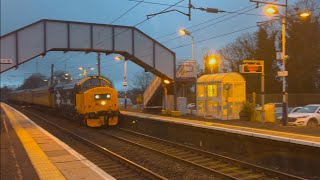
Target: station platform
(30, 152)
(307, 140)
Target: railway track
(221, 166)
(115, 165)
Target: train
(92, 101)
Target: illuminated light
(45, 80)
(108, 96)
(213, 61)
(103, 103)
(304, 14)
(184, 32)
(81, 68)
(66, 74)
(91, 68)
(166, 81)
(97, 96)
(270, 10)
(118, 58)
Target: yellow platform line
(43, 166)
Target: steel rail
(129, 164)
(196, 160)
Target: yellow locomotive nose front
(101, 107)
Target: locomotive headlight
(103, 103)
(108, 96)
(97, 96)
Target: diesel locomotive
(91, 100)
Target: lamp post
(125, 82)
(271, 10)
(185, 32)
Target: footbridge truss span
(54, 35)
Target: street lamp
(85, 70)
(304, 14)
(125, 82)
(212, 61)
(185, 32)
(166, 81)
(271, 10)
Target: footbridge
(46, 35)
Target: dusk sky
(18, 13)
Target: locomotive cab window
(91, 83)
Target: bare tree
(34, 81)
(233, 53)
(141, 81)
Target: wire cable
(127, 11)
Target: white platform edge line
(254, 134)
(81, 158)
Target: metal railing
(186, 69)
(151, 89)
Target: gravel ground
(160, 164)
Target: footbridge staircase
(184, 71)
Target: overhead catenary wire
(199, 24)
(165, 4)
(202, 28)
(139, 24)
(207, 39)
(110, 23)
(133, 26)
(207, 26)
(189, 27)
(127, 11)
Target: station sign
(279, 55)
(6, 61)
(282, 73)
(252, 66)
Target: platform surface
(50, 157)
(249, 131)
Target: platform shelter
(220, 96)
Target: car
(290, 110)
(191, 106)
(306, 116)
(121, 102)
(293, 109)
